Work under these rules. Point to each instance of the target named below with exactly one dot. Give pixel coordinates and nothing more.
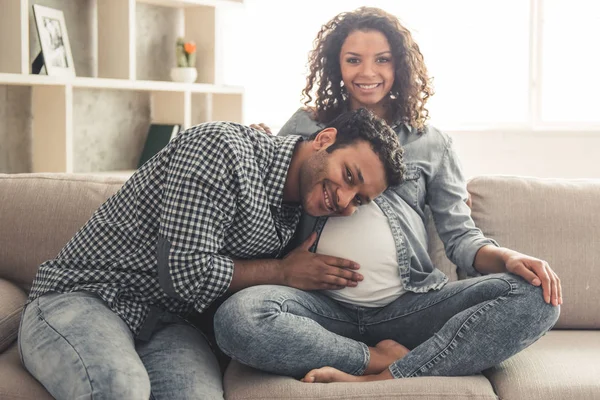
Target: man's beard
(312, 171)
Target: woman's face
(367, 67)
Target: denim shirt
(433, 178)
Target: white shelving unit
(52, 97)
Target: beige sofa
(558, 220)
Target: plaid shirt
(166, 240)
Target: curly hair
(412, 85)
(363, 124)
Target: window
(570, 61)
(479, 67)
(486, 73)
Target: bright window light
(571, 61)
(478, 53)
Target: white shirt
(366, 238)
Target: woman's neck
(382, 110)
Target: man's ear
(325, 138)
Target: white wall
(557, 154)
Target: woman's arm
(446, 194)
(466, 245)
(492, 259)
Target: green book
(159, 135)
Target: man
(207, 215)
(404, 319)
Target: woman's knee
(252, 301)
(535, 304)
(530, 303)
(244, 312)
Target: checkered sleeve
(199, 206)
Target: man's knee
(102, 382)
(126, 382)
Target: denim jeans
(79, 349)
(460, 329)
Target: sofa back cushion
(40, 213)
(11, 304)
(557, 220)
(436, 250)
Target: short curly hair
(362, 124)
(412, 85)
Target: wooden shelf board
(117, 84)
(188, 3)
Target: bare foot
(384, 354)
(330, 374)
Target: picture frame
(54, 42)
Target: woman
(403, 319)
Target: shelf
(98, 121)
(117, 84)
(189, 3)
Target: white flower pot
(186, 75)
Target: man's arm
(491, 259)
(198, 205)
(300, 269)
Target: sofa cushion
(561, 365)
(245, 383)
(553, 219)
(41, 213)
(15, 382)
(12, 299)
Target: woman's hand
(262, 127)
(537, 272)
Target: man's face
(336, 183)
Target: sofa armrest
(12, 299)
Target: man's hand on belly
(304, 270)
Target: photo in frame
(54, 42)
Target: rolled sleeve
(466, 252)
(446, 196)
(221, 275)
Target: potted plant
(186, 62)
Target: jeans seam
(281, 303)
(19, 344)
(452, 345)
(437, 302)
(41, 317)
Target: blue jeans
(79, 349)
(461, 329)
